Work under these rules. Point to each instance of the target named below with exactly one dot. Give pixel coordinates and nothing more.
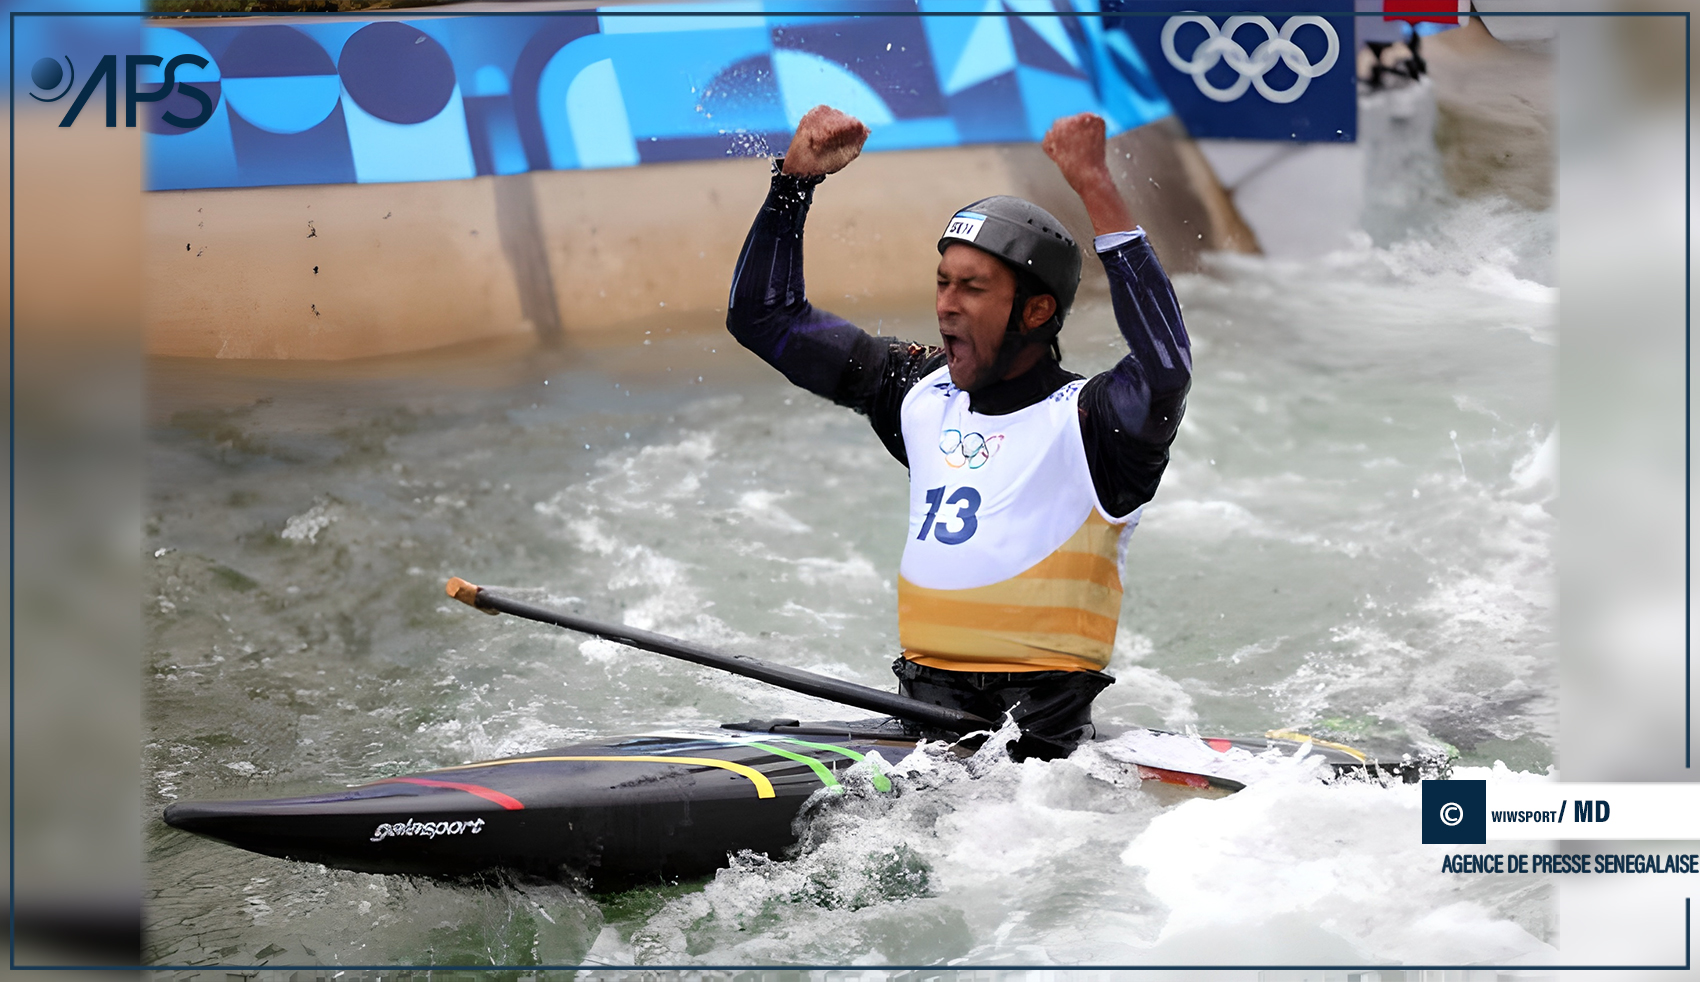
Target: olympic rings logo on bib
(1220, 46)
(971, 449)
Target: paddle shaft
(785, 677)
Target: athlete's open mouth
(955, 348)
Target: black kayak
(634, 810)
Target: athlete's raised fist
(1076, 144)
(825, 142)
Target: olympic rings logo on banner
(972, 449)
(1221, 46)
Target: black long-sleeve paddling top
(1128, 415)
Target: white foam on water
(918, 875)
(763, 507)
(1149, 687)
(1345, 861)
(822, 571)
(1075, 863)
(635, 488)
(305, 527)
(1536, 473)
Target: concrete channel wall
(584, 257)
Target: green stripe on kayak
(820, 769)
(880, 781)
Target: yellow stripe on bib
(1087, 566)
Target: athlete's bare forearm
(1077, 145)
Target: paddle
(794, 679)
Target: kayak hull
(645, 809)
(650, 809)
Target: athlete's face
(974, 294)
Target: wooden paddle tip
(466, 593)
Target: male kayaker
(1024, 478)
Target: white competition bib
(1010, 564)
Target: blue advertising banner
(1248, 69)
(317, 100)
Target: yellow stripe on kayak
(764, 787)
(1305, 738)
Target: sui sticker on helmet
(964, 225)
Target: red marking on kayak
(511, 804)
(1172, 777)
(1220, 746)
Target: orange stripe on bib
(1060, 613)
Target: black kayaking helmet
(1037, 249)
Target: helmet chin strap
(1015, 340)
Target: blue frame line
(411, 13)
(12, 17)
(12, 495)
